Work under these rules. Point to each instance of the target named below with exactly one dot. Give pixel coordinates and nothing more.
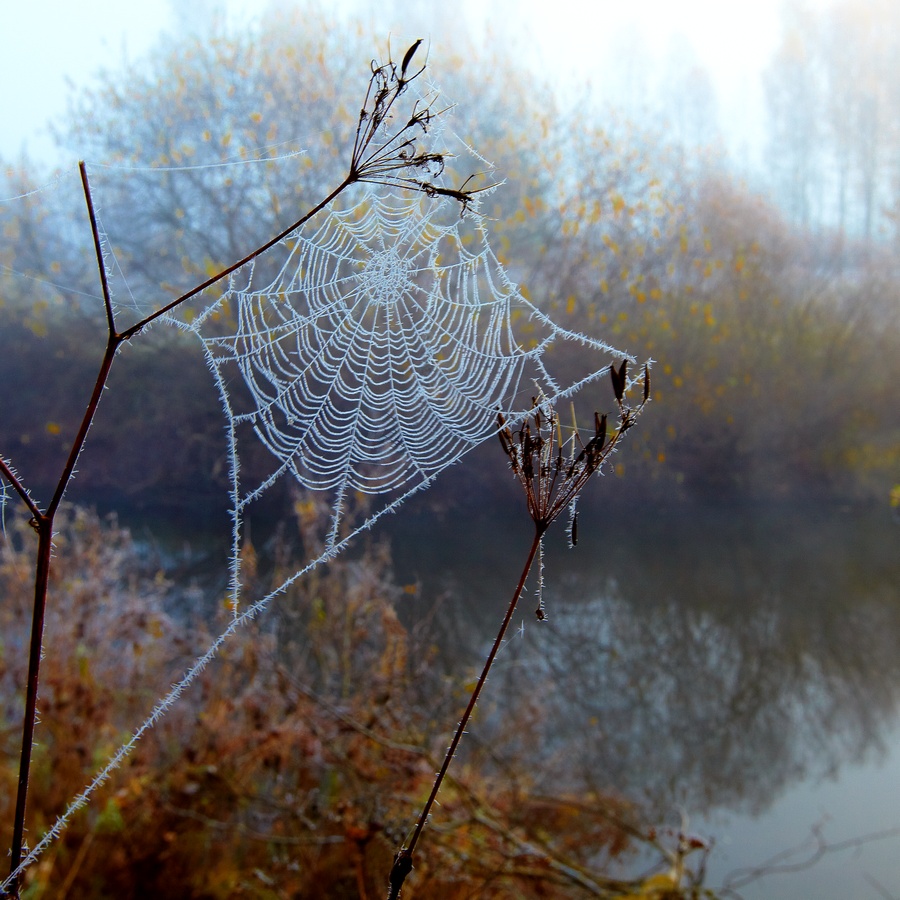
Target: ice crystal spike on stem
(537, 459)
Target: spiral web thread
(376, 355)
(378, 351)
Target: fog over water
(737, 664)
(725, 639)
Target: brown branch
(9, 474)
(598, 886)
(44, 526)
(816, 848)
(403, 862)
(98, 249)
(224, 273)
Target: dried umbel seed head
(537, 455)
(390, 154)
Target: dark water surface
(738, 663)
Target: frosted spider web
(367, 355)
(380, 350)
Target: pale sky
(45, 43)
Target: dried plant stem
(43, 521)
(137, 327)
(403, 862)
(43, 524)
(381, 155)
(552, 481)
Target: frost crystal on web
(383, 346)
(367, 352)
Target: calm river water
(736, 663)
(740, 664)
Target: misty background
(800, 97)
(712, 187)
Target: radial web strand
(379, 348)
(367, 353)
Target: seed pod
(573, 534)
(600, 425)
(618, 382)
(504, 442)
(646, 382)
(528, 453)
(504, 434)
(623, 378)
(559, 459)
(407, 58)
(575, 464)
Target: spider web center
(386, 276)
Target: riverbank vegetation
(296, 766)
(293, 769)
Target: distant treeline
(776, 357)
(833, 99)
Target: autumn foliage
(776, 355)
(297, 765)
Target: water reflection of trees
(715, 665)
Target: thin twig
(44, 528)
(598, 886)
(390, 159)
(228, 270)
(403, 862)
(778, 864)
(43, 524)
(98, 249)
(9, 474)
